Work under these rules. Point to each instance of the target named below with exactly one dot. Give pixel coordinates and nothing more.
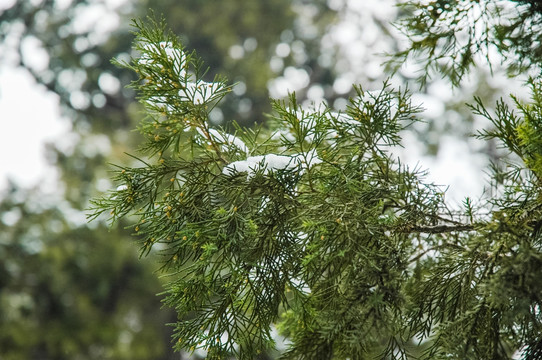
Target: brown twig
(437, 229)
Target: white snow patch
(272, 162)
(225, 139)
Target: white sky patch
(34, 54)
(345, 33)
(433, 107)
(6, 4)
(455, 167)
(353, 45)
(29, 117)
(116, 4)
(94, 17)
(316, 93)
(282, 50)
(240, 88)
(236, 52)
(343, 83)
(294, 79)
(61, 5)
(109, 83)
(72, 79)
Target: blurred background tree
(70, 290)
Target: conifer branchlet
(311, 225)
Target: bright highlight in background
(29, 118)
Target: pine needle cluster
(312, 226)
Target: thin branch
(438, 229)
(433, 248)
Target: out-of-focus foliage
(67, 46)
(232, 36)
(73, 292)
(446, 36)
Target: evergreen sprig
(313, 226)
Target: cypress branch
(312, 226)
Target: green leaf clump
(312, 226)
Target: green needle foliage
(448, 36)
(312, 226)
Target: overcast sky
(29, 117)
